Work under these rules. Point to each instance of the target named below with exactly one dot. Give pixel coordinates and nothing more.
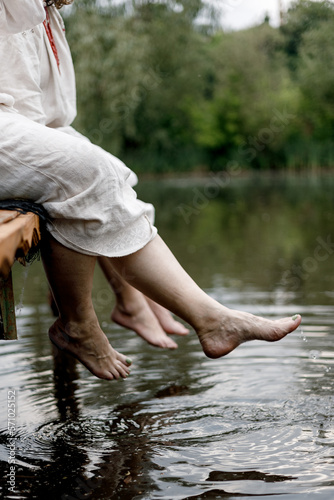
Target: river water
(256, 424)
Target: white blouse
(17, 16)
(31, 81)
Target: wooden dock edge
(8, 330)
(18, 234)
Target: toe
(164, 343)
(114, 372)
(104, 375)
(178, 329)
(292, 323)
(297, 319)
(171, 344)
(124, 372)
(126, 361)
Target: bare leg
(157, 274)
(77, 330)
(132, 309)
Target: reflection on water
(258, 423)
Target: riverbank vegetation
(162, 86)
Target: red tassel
(48, 30)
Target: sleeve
(20, 15)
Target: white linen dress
(86, 191)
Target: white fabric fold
(7, 100)
(17, 16)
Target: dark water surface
(256, 424)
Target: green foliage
(251, 83)
(303, 16)
(309, 39)
(316, 75)
(163, 88)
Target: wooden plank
(8, 215)
(7, 309)
(17, 236)
(18, 233)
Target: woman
(47, 96)
(87, 193)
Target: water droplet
(328, 369)
(314, 354)
(302, 336)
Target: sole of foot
(94, 352)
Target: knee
(92, 169)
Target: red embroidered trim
(48, 30)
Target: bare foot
(166, 320)
(235, 327)
(137, 315)
(90, 346)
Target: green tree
(251, 84)
(303, 16)
(135, 67)
(163, 88)
(316, 79)
(309, 43)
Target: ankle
(77, 329)
(210, 319)
(130, 305)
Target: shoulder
(20, 15)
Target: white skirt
(86, 191)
